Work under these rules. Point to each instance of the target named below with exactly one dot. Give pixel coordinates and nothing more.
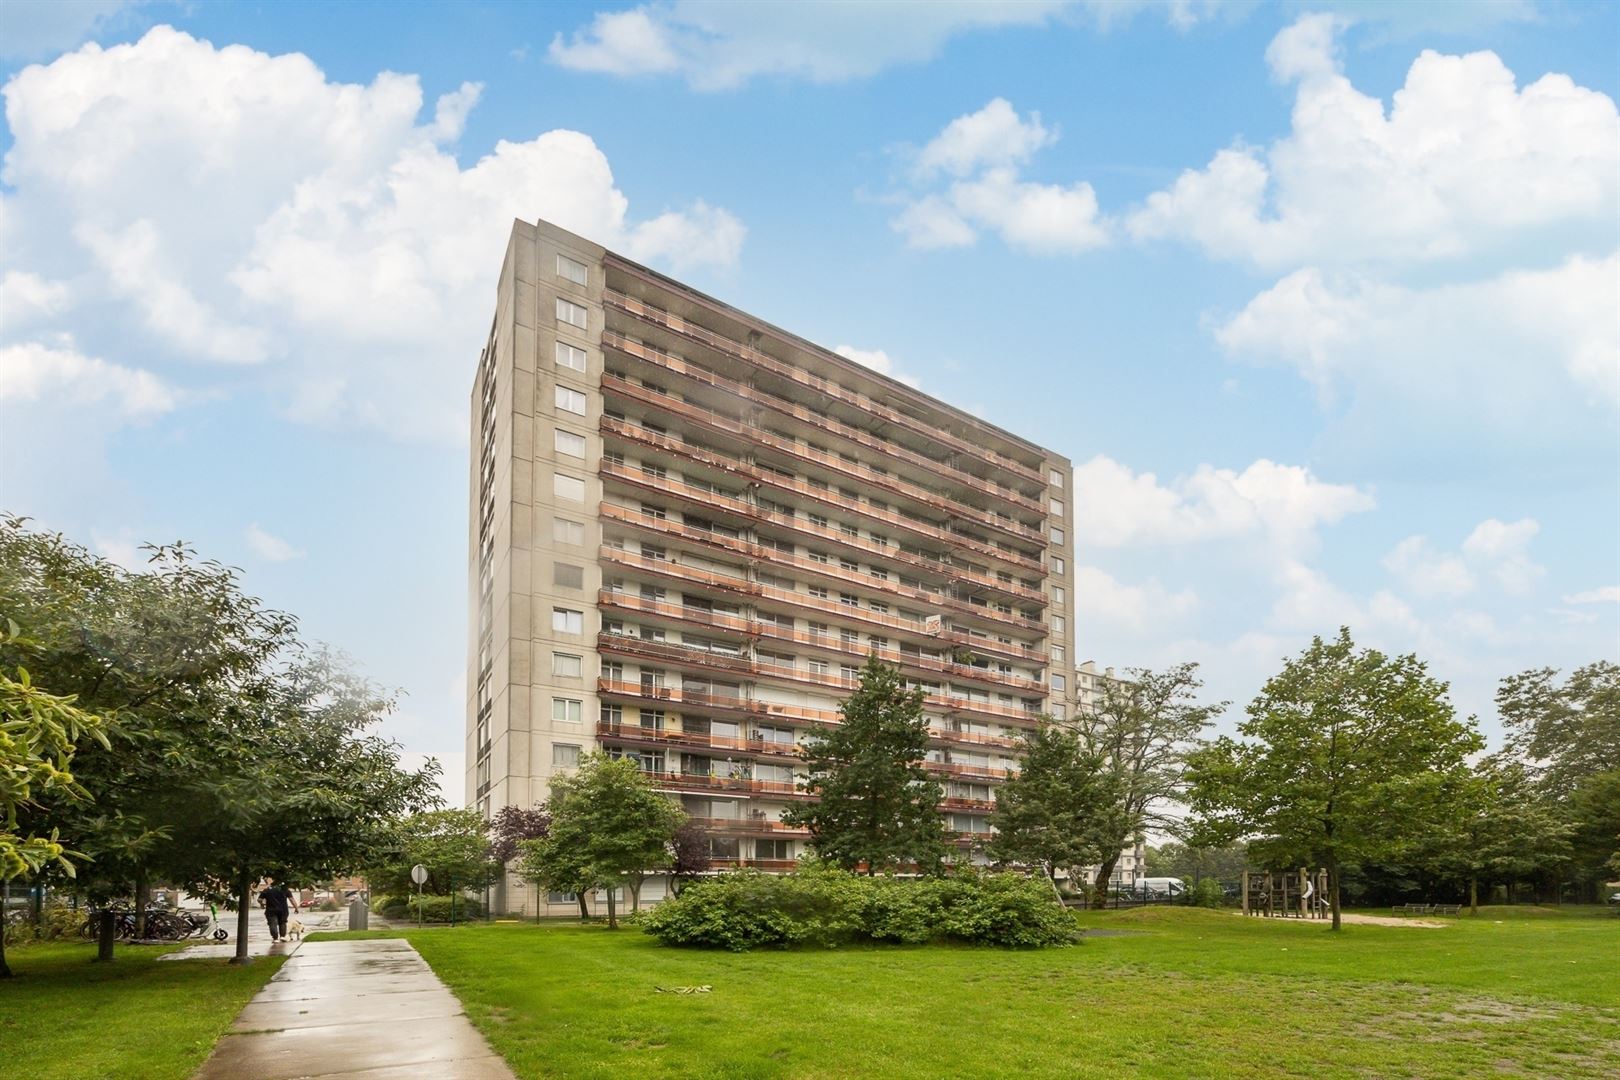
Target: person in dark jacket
(276, 899)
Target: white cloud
(1287, 504)
(121, 548)
(1503, 550)
(36, 28)
(1129, 607)
(876, 359)
(269, 547)
(1606, 594)
(26, 298)
(995, 135)
(35, 373)
(1463, 162)
(323, 231)
(983, 152)
(1428, 572)
(717, 45)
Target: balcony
(674, 571)
(701, 783)
(643, 736)
(758, 477)
(780, 866)
(739, 546)
(750, 826)
(754, 629)
(665, 652)
(738, 351)
(654, 358)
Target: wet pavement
(259, 943)
(354, 1010)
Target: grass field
(65, 1018)
(1183, 993)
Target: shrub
(1207, 892)
(329, 904)
(818, 906)
(57, 921)
(433, 908)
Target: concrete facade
(689, 528)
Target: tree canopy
(877, 804)
(1055, 813)
(1346, 755)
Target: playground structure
(1286, 894)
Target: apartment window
(1057, 535)
(610, 713)
(1059, 683)
(1059, 654)
(568, 487)
(1058, 595)
(567, 665)
(818, 556)
(818, 667)
(555, 897)
(573, 271)
(571, 313)
(564, 531)
(1059, 566)
(849, 599)
(564, 755)
(569, 577)
(818, 591)
(773, 849)
(567, 621)
(567, 710)
(570, 356)
(566, 442)
(1056, 506)
(1056, 477)
(570, 400)
(1060, 625)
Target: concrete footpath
(357, 1010)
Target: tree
(512, 825)
(609, 828)
(1053, 814)
(38, 735)
(1178, 860)
(877, 804)
(691, 853)
(1346, 756)
(1567, 736)
(1142, 728)
(1501, 829)
(454, 846)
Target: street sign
(419, 874)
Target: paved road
(354, 1010)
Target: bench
(1447, 909)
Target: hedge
(821, 907)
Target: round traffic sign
(419, 874)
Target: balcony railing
(648, 355)
(778, 865)
(676, 571)
(750, 826)
(739, 351)
(793, 485)
(701, 782)
(672, 653)
(758, 629)
(635, 733)
(739, 546)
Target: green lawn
(1187, 994)
(65, 1018)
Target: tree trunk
(1099, 891)
(1473, 895)
(635, 895)
(104, 936)
(1333, 889)
(584, 911)
(242, 914)
(5, 905)
(142, 891)
(613, 914)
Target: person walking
(276, 899)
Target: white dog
(295, 929)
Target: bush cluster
(434, 908)
(815, 906)
(1207, 893)
(57, 921)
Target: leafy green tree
(1346, 756)
(454, 846)
(1176, 859)
(877, 804)
(691, 851)
(38, 735)
(1500, 829)
(1142, 728)
(1054, 813)
(1567, 735)
(609, 828)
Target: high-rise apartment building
(689, 529)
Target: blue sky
(1321, 300)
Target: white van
(1159, 887)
